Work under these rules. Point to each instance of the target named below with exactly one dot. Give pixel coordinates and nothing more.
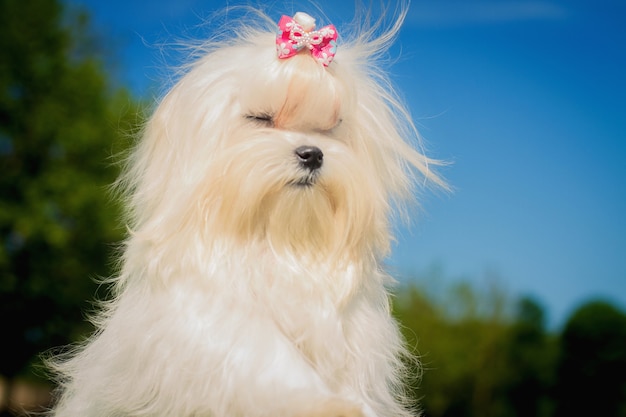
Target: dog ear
(178, 140)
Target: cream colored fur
(241, 292)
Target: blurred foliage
(480, 360)
(60, 122)
(61, 125)
(592, 366)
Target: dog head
(303, 156)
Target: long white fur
(239, 293)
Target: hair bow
(297, 34)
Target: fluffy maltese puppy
(260, 199)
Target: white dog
(260, 200)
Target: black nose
(310, 157)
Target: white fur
(240, 293)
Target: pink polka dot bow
(298, 33)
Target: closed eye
(265, 119)
(330, 130)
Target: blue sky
(526, 98)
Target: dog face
(305, 159)
(295, 170)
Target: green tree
(60, 122)
(591, 378)
(460, 337)
(530, 363)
